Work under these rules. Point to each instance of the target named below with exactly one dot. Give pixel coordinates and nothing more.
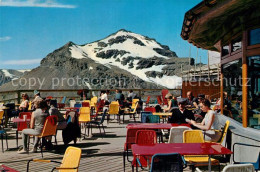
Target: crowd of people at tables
(195, 111)
(41, 110)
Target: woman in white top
(209, 124)
(25, 103)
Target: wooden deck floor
(98, 154)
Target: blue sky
(30, 29)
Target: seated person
(198, 100)
(199, 114)
(181, 114)
(171, 102)
(104, 96)
(25, 103)
(62, 124)
(37, 122)
(209, 122)
(23, 106)
(191, 101)
(131, 95)
(120, 97)
(54, 111)
(37, 98)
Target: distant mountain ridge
(7, 75)
(138, 61)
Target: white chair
(72, 103)
(239, 168)
(176, 134)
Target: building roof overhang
(212, 21)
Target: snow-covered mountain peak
(129, 51)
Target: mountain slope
(121, 60)
(6, 75)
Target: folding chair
(144, 137)
(49, 129)
(176, 134)
(70, 161)
(196, 136)
(255, 159)
(84, 117)
(239, 168)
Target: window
(254, 36)
(232, 81)
(254, 92)
(225, 50)
(236, 44)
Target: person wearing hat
(171, 102)
(181, 114)
(37, 99)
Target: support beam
(244, 81)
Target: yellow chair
(93, 101)
(196, 136)
(115, 102)
(134, 102)
(113, 109)
(193, 136)
(132, 112)
(224, 132)
(70, 161)
(84, 117)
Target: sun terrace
(141, 133)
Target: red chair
(85, 104)
(159, 100)
(147, 101)
(22, 125)
(150, 109)
(99, 108)
(144, 137)
(130, 139)
(164, 93)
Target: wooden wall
(201, 87)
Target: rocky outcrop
(111, 53)
(154, 74)
(165, 52)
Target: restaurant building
(232, 27)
